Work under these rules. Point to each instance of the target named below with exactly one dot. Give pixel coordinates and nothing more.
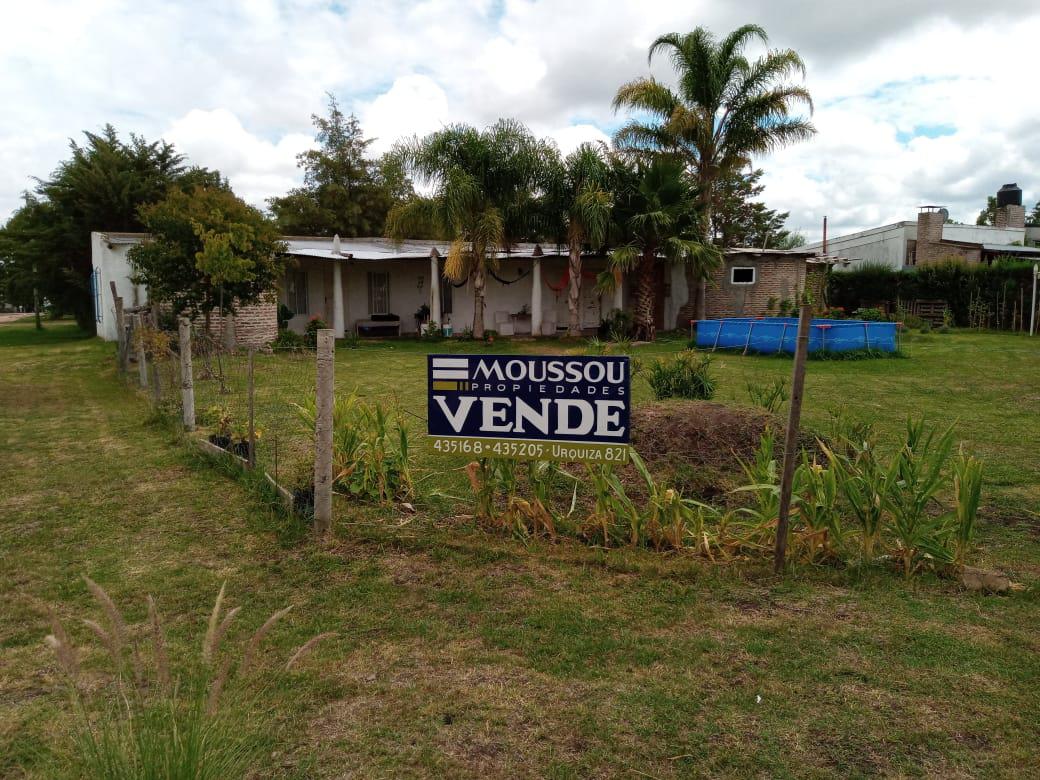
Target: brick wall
(930, 248)
(1010, 216)
(775, 277)
(253, 326)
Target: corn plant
(815, 499)
(914, 478)
(612, 507)
(967, 487)
(370, 452)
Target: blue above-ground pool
(779, 334)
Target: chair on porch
(504, 323)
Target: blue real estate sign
(530, 406)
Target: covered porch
(374, 287)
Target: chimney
(1010, 213)
(930, 220)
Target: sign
(531, 407)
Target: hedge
(975, 294)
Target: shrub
(686, 375)
(617, 326)
(769, 396)
(870, 315)
(310, 336)
(288, 341)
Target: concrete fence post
(324, 395)
(187, 381)
(142, 356)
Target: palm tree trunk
(574, 290)
(479, 283)
(644, 305)
(696, 284)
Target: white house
(373, 286)
(930, 238)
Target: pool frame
(772, 335)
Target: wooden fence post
(794, 417)
(187, 381)
(252, 415)
(323, 431)
(142, 353)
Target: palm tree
(724, 110)
(579, 205)
(485, 186)
(655, 218)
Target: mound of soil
(699, 444)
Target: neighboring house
(375, 286)
(930, 239)
(752, 282)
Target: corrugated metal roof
(1012, 249)
(372, 249)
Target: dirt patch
(700, 444)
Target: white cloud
(234, 84)
(256, 168)
(414, 105)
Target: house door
(590, 304)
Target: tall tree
(724, 110)
(655, 218)
(739, 219)
(208, 251)
(100, 187)
(579, 203)
(485, 188)
(988, 216)
(344, 191)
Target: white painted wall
(410, 289)
(885, 245)
(110, 262)
(984, 234)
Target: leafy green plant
(288, 341)
(686, 375)
(310, 334)
(913, 479)
(370, 450)
(967, 488)
(870, 314)
(771, 396)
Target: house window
(296, 292)
(378, 292)
(742, 275)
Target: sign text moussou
(532, 407)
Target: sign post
(530, 407)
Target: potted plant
(422, 314)
(221, 417)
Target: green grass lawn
(464, 653)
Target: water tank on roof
(1009, 195)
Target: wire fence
(256, 404)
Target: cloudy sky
(916, 101)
